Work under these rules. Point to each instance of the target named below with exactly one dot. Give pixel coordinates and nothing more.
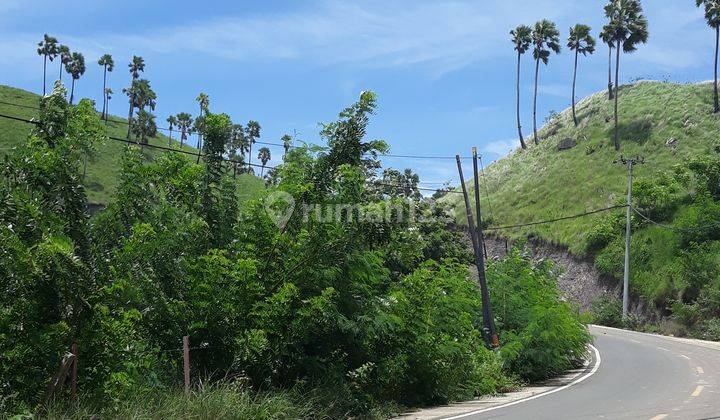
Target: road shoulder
(488, 403)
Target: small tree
(712, 16)
(144, 126)
(252, 133)
(172, 123)
(48, 49)
(287, 143)
(521, 39)
(136, 66)
(184, 123)
(545, 39)
(583, 43)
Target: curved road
(641, 376)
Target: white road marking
(700, 370)
(684, 357)
(663, 349)
(598, 361)
(659, 417)
(697, 391)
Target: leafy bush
(607, 311)
(541, 334)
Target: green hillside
(102, 170)
(543, 183)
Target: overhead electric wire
(195, 154)
(673, 228)
(542, 222)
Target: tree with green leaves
(712, 16)
(184, 123)
(236, 147)
(287, 143)
(583, 43)
(545, 40)
(141, 95)
(144, 126)
(75, 68)
(65, 58)
(252, 133)
(627, 27)
(107, 63)
(172, 123)
(521, 39)
(48, 49)
(606, 38)
(136, 66)
(264, 158)
(203, 101)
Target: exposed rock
(566, 143)
(672, 141)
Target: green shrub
(607, 311)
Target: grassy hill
(102, 171)
(543, 183)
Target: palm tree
(583, 43)
(136, 66)
(236, 146)
(264, 157)
(75, 68)
(712, 15)
(287, 143)
(252, 133)
(199, 128)
(106, 61)
(184, 123)
(48, 48)
(108, 95)
(521, 39)
(65, 57)
(627, 28)
(141, 95)
(144, 126)
(172, 123)
(545, 39)
(606, 38)
(204, 101)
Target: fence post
(73, 374)
(186, 362)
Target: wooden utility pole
(186, 363)
(490, 335)
(626, 274)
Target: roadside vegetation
(312, 318)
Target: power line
(122, 121)
(196, 154)
(673, 228)
(575, 216)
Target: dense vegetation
(373, 311)
(674, 271)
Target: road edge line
(598, 361)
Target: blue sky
(443, 70)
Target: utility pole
(626, 274)
(490, 335)
(481, 237)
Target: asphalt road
(640, 377)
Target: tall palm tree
(48, 48)
(172, 123)
(252, 133)
(606, 38)
(583, 43)
(545, 40)
(627, 27)
(236, 146)
(184, 123)
(63, 52)
(107, 63)
(136, 66)
(203, 101)
(144, 126)
(264, 157)
(712, 16)
(287, 143)
(75, 68)
(521, 39)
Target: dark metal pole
(478, 215)
(491, 337)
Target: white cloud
(501, 148)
